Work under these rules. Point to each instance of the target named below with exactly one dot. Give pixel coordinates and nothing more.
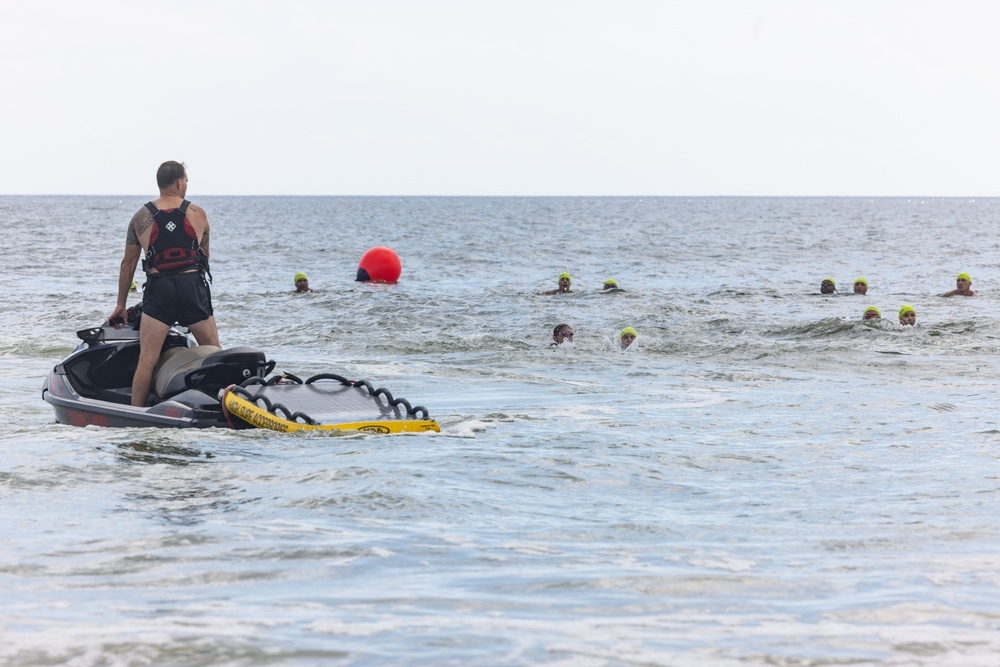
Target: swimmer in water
(872, 313)
(561, 334)
(564, 282)
(610, 284)
(301, 283)
(133, 288)
(861, 286)
(963, 286)
(907, 315)
(626, 337)
(828, 286)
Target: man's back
(142, 221)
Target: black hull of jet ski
(93, 386)
(76, 410)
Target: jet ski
(203, 386)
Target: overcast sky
(431, 97)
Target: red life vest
(173, 243)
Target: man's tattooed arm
(138, 225)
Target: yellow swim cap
(133, 285)
(831, 280)
(964, 276)
(611, 281)
(627, 330)
(861, 280)
(871, 308)
(564, 275)
(300, 276)
(907, 308)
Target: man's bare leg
(152, 333)
(205, 332)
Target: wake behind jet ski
(204, 386)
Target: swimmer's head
(564, 275)
(964, 283)
(860, 286)
(872, 313)
(300, 276)
(907, 315)
(132, 287)
(301, 282)
(626, 337)
(828, 286)
(610, 283)
(562, 333)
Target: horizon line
(536, 196)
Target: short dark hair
(559, 327)
(169, 172)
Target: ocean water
(761, 479)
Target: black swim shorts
(180, 297)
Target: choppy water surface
(760, 479)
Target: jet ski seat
(207, 368)
(178, 361)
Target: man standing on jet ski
(171, 234)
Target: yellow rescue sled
(324, 402)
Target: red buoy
(380, 264)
